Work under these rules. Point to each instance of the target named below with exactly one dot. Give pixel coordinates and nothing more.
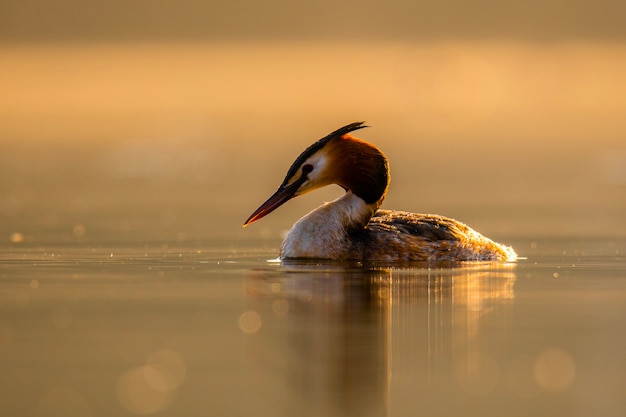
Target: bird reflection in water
(340, 332)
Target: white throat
(323, 233)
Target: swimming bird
(353, 227)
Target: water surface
(191, 329)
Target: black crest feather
(320, 144)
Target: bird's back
(398, 235)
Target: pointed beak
(281, 196)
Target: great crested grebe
(352, 227)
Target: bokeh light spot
(17, 237)
(165, 370)
(554, 370)
(250, 322)
(280, 307)
(79, 230)
(137, 394)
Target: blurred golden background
(136, 137)
(176, 120)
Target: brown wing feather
(427, 226)
(422, 237)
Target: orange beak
(280, 197)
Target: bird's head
(338, 158)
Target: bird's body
(353, 227)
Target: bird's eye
(307, 168)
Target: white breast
(322, 233)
